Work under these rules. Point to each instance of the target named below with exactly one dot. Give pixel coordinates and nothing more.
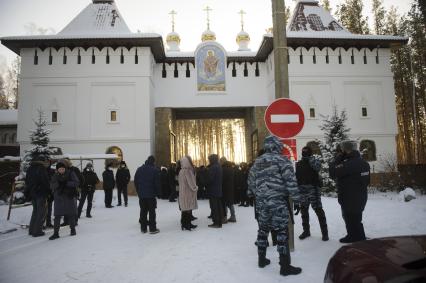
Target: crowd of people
(268, 183)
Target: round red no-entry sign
(284, 118)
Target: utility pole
(280, 49)
(281, 75)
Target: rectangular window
(35, 58)
(113, 116)
(364, 112)
(54, 117)
(312, 113)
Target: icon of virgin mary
(210, 64)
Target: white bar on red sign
(285, 118)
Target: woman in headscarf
(64, 185)
(187, 192)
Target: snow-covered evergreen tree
(335, 131)
(40, 141)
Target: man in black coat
(173, 182)
(201, 178)
(165, 183)
(228, 189)
(108, 185)
(352, 175)
(37, 184)
(122, 178)
(88, 189)
(147, 183)
(214, 190)
(243, 190)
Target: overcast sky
(153, 16)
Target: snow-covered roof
(82, 36)
(9, 117)
(100, 17)
(338, 35)
(310, 16)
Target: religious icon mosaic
(211, 64)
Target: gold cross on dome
(208, 10)
(242, 13)
(173, 13)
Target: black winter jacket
(305, 174)
(37, 181)
(108, 179)
(214, 182)
(228, 182)
(77, 172)
(90, 180)
(122, 177)
(352, 175)
(147, 181)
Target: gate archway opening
(199, 138)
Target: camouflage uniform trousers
(311, 195)
(272, 216)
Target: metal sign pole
(281, 73)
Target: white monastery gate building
(105, 88)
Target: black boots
(54, 236)
(305, 234)
(186, 221)
(305, 223)
(263, 261)
(323, 223)
(286, 268)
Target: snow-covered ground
(110, 247)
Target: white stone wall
(84, 94)
(182, 92)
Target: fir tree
(335, 131)
(350, 15)
(379, 16)
(40, 143)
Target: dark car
(390, 260)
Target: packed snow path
(110, 247)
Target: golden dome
(173, 37)
(242, 36)
(208, 35)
